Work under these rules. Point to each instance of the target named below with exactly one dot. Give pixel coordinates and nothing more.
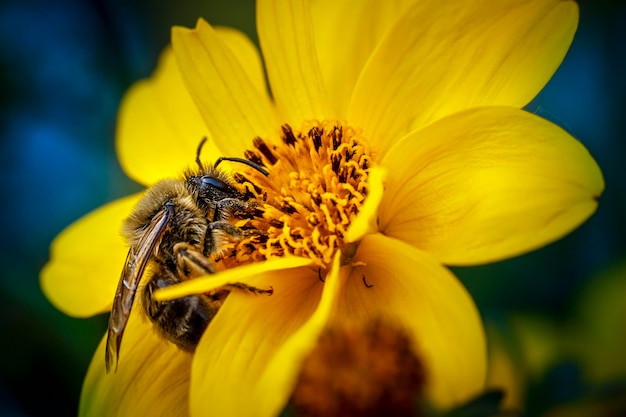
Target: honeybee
(175, 232)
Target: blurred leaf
(487, 404)
(597, 333)
(506, 370)
(610, 401)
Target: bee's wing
(134, 267)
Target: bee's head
(210, 186)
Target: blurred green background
(64, 66)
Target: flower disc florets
(316, 185)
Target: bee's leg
(193, 262)
(235, 207)
(181, 321)
(229, 207)
(190, 262)
(233, 233)
(240, 286)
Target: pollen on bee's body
(316, 185)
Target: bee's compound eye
(214, 183)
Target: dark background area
(64, 66)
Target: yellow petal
(230, 102)
(404, 285)
(282, 371)
(286, 37)
(86, 260)
(235, 357)
(152, 378)
(444, 57)
(344, 44)
(243, 274)
(159, 126)
(487, 184)
(247, 54)
(366, 220)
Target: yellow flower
(395, 144)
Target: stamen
(316, 185)
(288, 136)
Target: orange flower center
(316, 185)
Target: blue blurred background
(64, 66)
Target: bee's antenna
(202, 142)
(243, 161)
